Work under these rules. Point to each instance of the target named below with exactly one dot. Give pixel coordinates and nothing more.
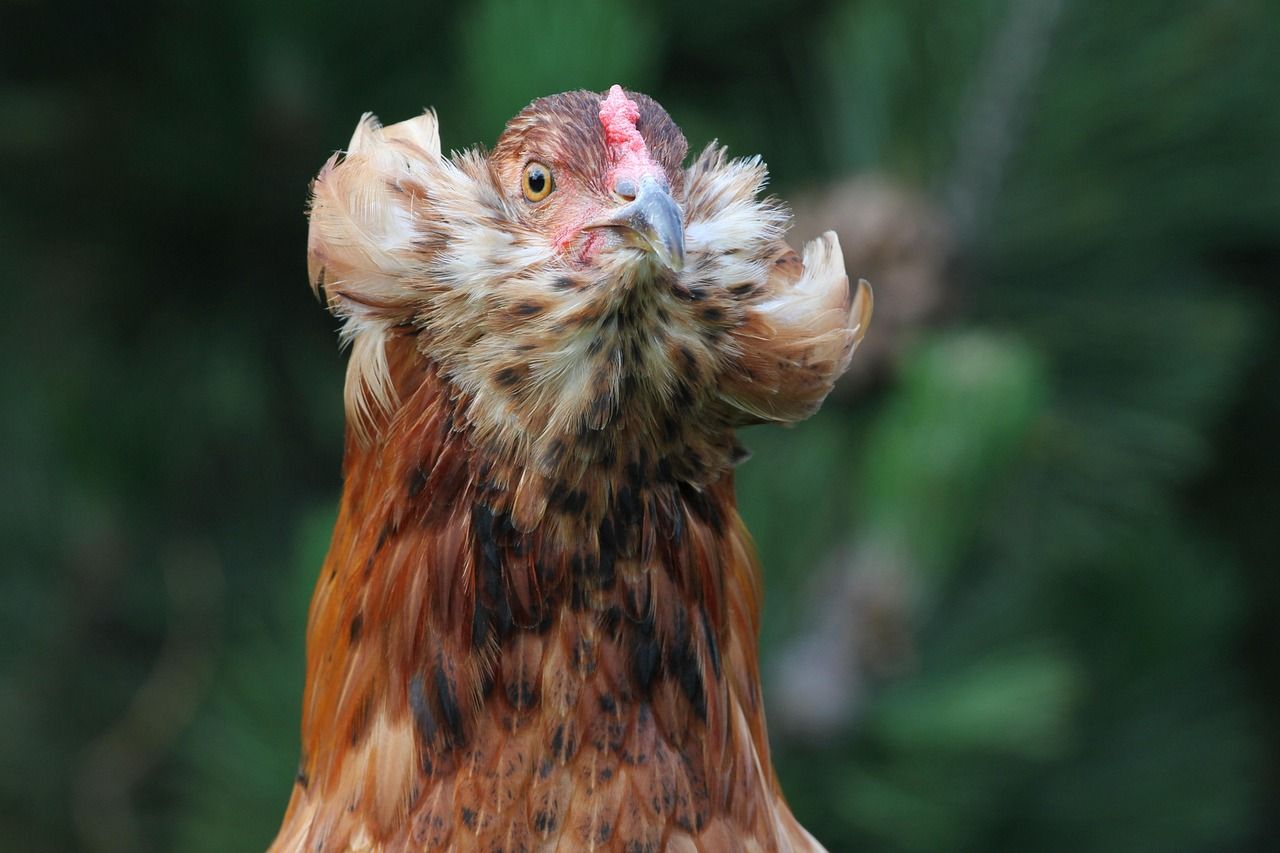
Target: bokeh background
(1021, 570)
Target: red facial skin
(629, 159)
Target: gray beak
(653, 222)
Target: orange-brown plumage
(536, 626)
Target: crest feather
(362, 247)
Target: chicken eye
(537, 182)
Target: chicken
(536, 626)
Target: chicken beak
(653, 221)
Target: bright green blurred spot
(1011, 704)
(517, 51)
(962, 412)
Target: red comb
(627, 148)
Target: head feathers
(546, 341)
(361, 249)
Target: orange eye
(537, 182)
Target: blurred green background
(1021, 569)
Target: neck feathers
(613, 643)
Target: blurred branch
(118, 760)
(989, 134)
(932, 454)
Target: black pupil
(537, 180)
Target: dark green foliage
(1076, 478)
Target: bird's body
(536, 627)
